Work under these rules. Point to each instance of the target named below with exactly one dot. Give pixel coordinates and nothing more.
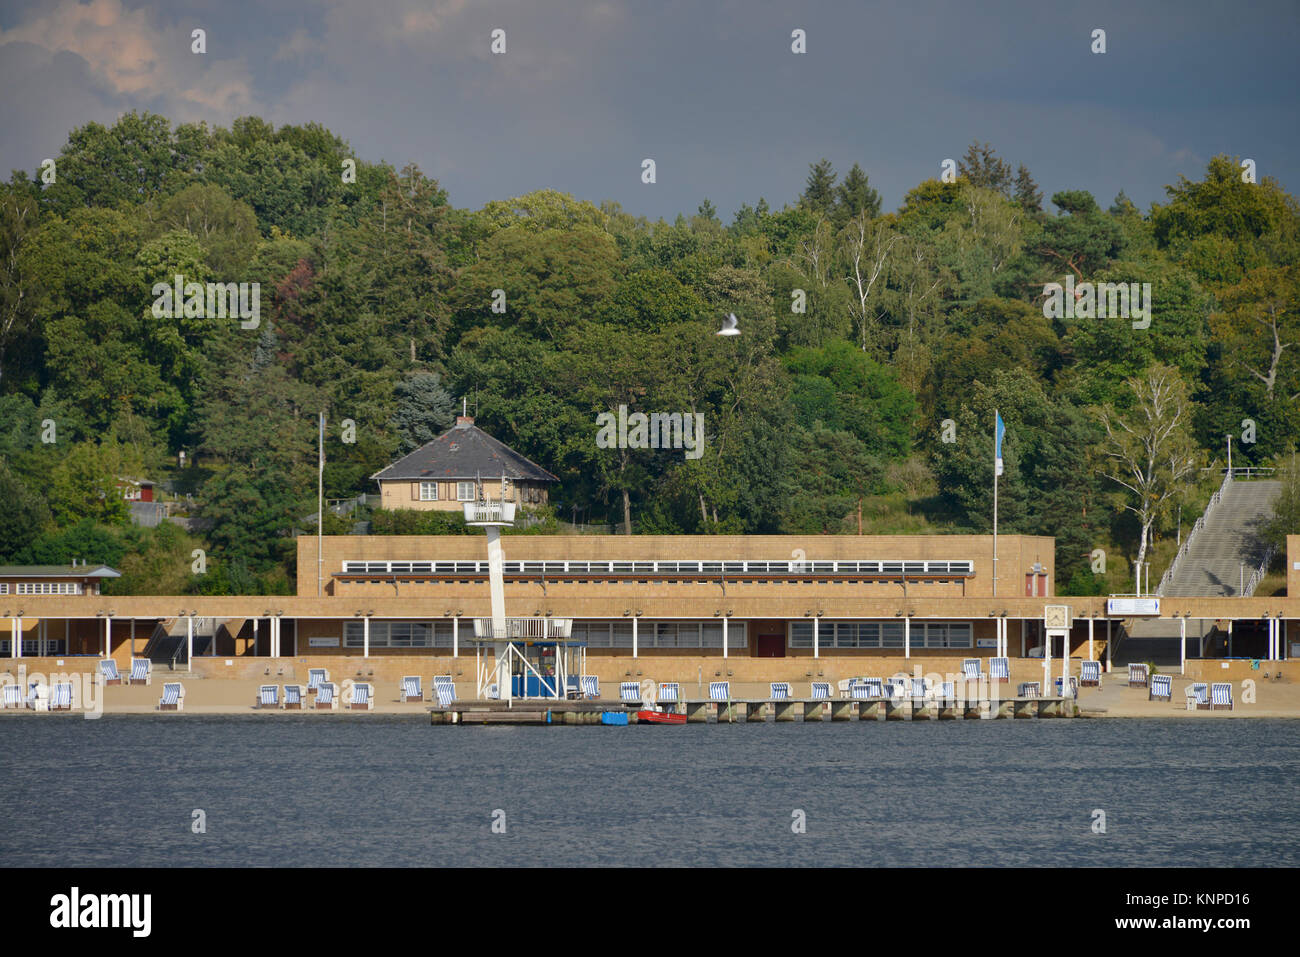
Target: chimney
(464, 421)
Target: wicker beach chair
(999, 669)
(1138, 676)
(1028, 689)
(820, 690)
(780, 690)
(61, 696)
(173, 697)
(444, 686)
(669, 692)
(411, 689)
(590, 685)
(629, 692)
(362, 699)
(1162, 688)
(11, 696)
(108, 672)
(268, 696)
(315, 678)
(1198, 696)
(1221, 696)
(1090, 674)
(293, 695)
(141, 672)
(327, 698)
(970, 669)
(719, 690)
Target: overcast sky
(710, 90)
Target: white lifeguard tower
(532, 657)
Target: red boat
(660, 717)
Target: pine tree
(983, 167)
(1027, 193)
(855, 196)
(707, 210)
(819, 194)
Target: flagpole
(995, 503)
(320, 510)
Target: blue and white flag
(1000, 430)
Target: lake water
(340, 791)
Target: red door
(771, 646)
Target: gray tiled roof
(58, 571)
(464, 452)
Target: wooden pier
(742, 711)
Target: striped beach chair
(780, 690)
(1162, 688)
(327, 698)
(669, 692)
(362, 700)
(1028, 689)
(445, 687)
(61, 696)
(999, 669)
(1138, 676)
(970, 669)
(1198, 696)
(1221, 696)
(141, 672)
(719, 690)
(918, 688)
(629, 692)
(896, 687)
(947, 691)
(411, 689)
(1073, 691)
(859, 688)
(590, 685)
(315, 678)
(293, 695)
(875, 687)
(11, 696)
(173, 697)
(108, 672)
(268, 696)
(1090, 674)
(820, 690)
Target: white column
(635, 649)
(1107, 646)
(132, 637)
(817, 648)
(455, 637)
(1022, 638)
(18, 636)
(1182, 645)
(1065, 663)
(724, 637)
(189, 642)
(255, 621)
(108, 637)
(365, 637)
(907, 637)
(13, 639)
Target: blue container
(613, 717)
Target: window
(428, 491)
(464, 491)
(4, 588)
(48, 588)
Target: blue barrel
(613, 717)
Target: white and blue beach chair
(1028, 689)
(108, 672)
(141, 672)
(780, 690)
(268, 696)
(1072, 692)
(11, 696)
(947, 691)
(970, 669)
(315, 678)
(820, 690)
(629, 692)
(411, 689)
(590, 685)
(173, 697)
(293, 697)
(876, 687)
(1138, 675)
(61, 696)
(1162, 688)
(719, 690)
(999, 669)
(445, 687)
(327, 698)
(1221, 696)
(669, 692)
(860, 689)
(1090, 674)
(1198, 696)
(362, 700)
(918, 688)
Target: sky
(710, 90)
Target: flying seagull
(729, 326)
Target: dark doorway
(770, 646)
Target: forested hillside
(874, 348)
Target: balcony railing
(524, 629)
(490, 513)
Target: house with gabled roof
(464, 464)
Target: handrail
(1258, 574)
(1168, 576)
(523, 628)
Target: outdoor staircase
(1209, 564)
